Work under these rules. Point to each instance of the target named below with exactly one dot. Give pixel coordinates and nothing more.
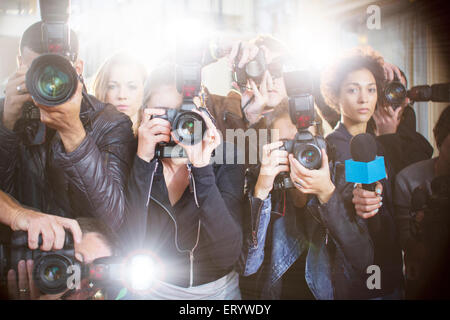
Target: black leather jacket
(89, 181)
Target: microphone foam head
(363, 147)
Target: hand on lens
(21, 284)
(367, 203)
(248, 52)
(274, 161)
(50, 226)
(390, 70)
(16, 94)
(387, 120)
(199, 154)
(254, 109)
(65, 119)
(151, 132)
(316, 182)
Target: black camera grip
(20, 239)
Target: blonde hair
(100, 84)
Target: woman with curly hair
(353, 86)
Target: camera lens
(309, 156)
(51, 80)
(50, 273)
(395, 93)
(189, 128)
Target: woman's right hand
(273, 162)
(150, 132)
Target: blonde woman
(120, 81)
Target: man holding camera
(68, 159)
(396, 128)
(92, 240)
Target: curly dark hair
(356, 59)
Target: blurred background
(412, 34)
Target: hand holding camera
(253, 101)
(16, 94)
(199, 154)
(274, 161)
(387, 120)
(66, 120)
(50, 226)
(316, 182)
(151, 132)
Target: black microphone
(363, 149)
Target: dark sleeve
(98, 171)
(402, 204)
(406, 146)
(255, 230)
(134, 228)
(9, 146)
(220, 199)
(348, 231)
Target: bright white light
(143, 271)
(315, 41)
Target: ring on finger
(24, 290)
(19, 89)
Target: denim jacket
(336, 241)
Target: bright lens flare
(143, 272)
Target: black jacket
(406, 146)
(388, 254)
(201, 231)
(89, 181)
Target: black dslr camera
(51, 78)
(55, 271)
(305, 147)
(51, 268)
(188, 126)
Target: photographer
(420, 254)
(395, 127)
(97, 241)
(186, 211)
(251, 101)
(353, 85)
(68, 159)
(305, 242)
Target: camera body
(51, 78)
(188, 128)
(305, 147)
